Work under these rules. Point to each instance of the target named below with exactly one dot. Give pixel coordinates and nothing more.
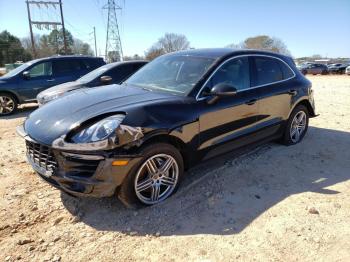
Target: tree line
(13, 49)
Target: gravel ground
(272, 203)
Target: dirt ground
(273, 203)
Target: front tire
(8, 104)
(297, 126)
(155, 178)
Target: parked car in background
(137, 138)
(314, 69)
(337, 68)
(114, 73)
(22, 84)
(347, 70)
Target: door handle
(251, 102)
(292, 92)
(50, 80)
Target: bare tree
(263, 42)
(170, 42)
(153, 53)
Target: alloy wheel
(298, 126)
(7, 105)
(156, 179)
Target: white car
(347, 70)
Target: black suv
(137, 138)
(24, 83)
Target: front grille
(41, 155)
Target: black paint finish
(198, 129)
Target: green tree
(11, 49)
(56, 41)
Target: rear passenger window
(234, 72)
(267, 70)
(66, 66)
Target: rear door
(66, 70)
(272, 78)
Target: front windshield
(93, 74)
(18, 69)
(176, 74)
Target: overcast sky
(307, 27)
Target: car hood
(58, 117)
(59, 89)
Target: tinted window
(234, 72)
(41, 69)
(66, 66)
(119, 73)
(287, 72)
(88, 64)
(267, 70)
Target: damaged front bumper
(78, 173)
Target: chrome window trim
(253, 87)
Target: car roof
(121, 63)
(58, 57)
(218, 53)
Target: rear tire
(8, 104)
(297, 126)
(148, 183)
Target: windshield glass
(176, 74)
(94, 74)
(18, 69)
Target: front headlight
(98, 131)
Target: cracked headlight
(98, 131)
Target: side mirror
(26, 75)
(221, 90)
(105, 79)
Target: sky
(307, 27)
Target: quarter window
(234, 72)
(267, 70)
(41, 69)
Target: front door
(40, 78)
(229, 118)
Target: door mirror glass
(26, 75)
(105, 79)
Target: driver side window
(41, 69)
(235, 73)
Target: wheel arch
(15, 96)
(174, 141)
(307, 104)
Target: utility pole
(95, 41)
(31, 30)
(46, 24)
(113, 42)
(64, 31)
